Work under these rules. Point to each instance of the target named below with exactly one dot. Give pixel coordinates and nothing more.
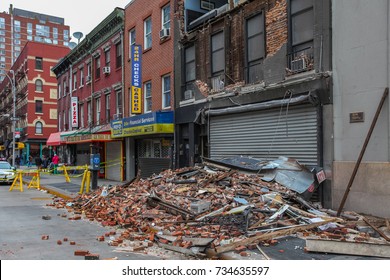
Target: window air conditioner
(106, 70)
(165, 32)
(88, 78)
(298, 64)
(117, 116)
(188, 94)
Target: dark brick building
(252, 79)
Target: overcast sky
(80, 15)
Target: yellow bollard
(17, 178)
(83, 182)
(88, 181)
(67, 179)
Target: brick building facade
(19, 26)
(36, 98)
(90, 95)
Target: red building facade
(20, 26)
(90, 96)
(148, 26)
(35, 98)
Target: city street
(24, 219)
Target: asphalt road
(22, 227)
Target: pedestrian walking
(55, 160)
(38, 162)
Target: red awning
(54, 139)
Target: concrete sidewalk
(56, 183)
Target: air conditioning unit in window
(88, 78)
(298, 64)
(117, 116)
(188, 94)
(165, 32)
(106, 70)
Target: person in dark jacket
(38, 162)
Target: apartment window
(89, 112)
(65, 87)
(301, 34)
(217, 53)
(132, 37)
(255, 41)
(118, 53)
(55, 33)
(2, 46)
(65, 125)
(81, 77)
(17, 35)
(17, 42)
(38, 85)
(148, 96)
(118, 94)
(16, 25)
(81, 115)
(107, 57)
(148, 33)
(38, 128)
(166, 16)
(98, 108)
(42, 30)
(66, 35)
(190, 63)
(75, 81)
(2, 58)
(38, 106)
(89, 71)
(108, 105)
(39, 63)
(2, 23)
(59, 90)
(97, 67)
(166, 91)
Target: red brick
(45, 237)
(81, 253)
(72, 243)
(59, 242)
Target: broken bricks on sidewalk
(220, 207)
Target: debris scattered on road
(194, 210)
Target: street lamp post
(12, 80)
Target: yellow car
(7, 172)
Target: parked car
(7, 172)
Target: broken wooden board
(348, 248)
(271, 235)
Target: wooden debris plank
(271, 235)
(376, 229)
(349, 248)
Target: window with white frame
(81, 115)
(59, 90)
(89, 112)
(107, 57)
(118, 55)
(89, 71)
(108, 105)
(148, 33)
(132, 37)
(189, 64)
(217, 53)
(64, 121)
(118, 101)
(81, 77)
(98, 110)
(166, 16)
(166, 91)
(38, 106)
(38, 85)
(2, 23)
(148, 96)
(74, 81)
(17, 25)
(97, 67)
(65, 87)
(38, 128)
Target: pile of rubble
(209, 210)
